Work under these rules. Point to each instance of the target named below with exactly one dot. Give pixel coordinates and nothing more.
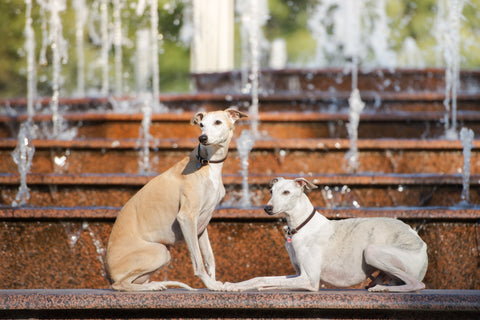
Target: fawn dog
(341, 253)
(174, 206)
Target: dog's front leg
(188, 224)
(207, 253)
(302, 282)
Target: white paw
(215, 286)
(379, 288)
(233, 287)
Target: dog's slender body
(341, 253)
(175, 206)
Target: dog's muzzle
(268, 209)
(203, 139)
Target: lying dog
(341, 253)
(174, 206)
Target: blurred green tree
(288, 20)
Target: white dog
(341, 253)
(174, 206)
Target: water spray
(466, 136)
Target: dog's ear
(234, 114)
(305, 184)
(274, 180)
(197, 118)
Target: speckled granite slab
(176, 303)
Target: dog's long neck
(214, 152)
(300, 213)
(216, 156)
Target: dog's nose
(203, 139)
(268, 209)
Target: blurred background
(411, 33)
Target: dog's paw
(216, 286)
(233, 287)
(379, 288)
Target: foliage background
(288, 20)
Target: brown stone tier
(175, 303)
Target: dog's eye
(201, 125)
(218, 122)
(286, 192)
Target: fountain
(23, 156)
(254, 14)
(145, 137)
(54, 39)
(310, 127)
(31, 65)
(245, 144)
(81, 13)
(466, 136)
(356, 107)
(452, 59)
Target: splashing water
(142, 60)
(73, 236)
(117, 42)
(144, 138)
(105, 46)
(99, 248)
(356, 107)
(22, 156)
(52, 35)
(31, 66)
(452, 70)
(466, 136)
(350, 31)
(244, 145)
(81, 13)
(153, 47)
(254, 41)
(59, 50)
(253, 15)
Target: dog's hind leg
(397, 263)
(141, 265)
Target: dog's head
(216, 126)
(286, 194)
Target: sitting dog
(341, 253)
(174, 206)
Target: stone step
(176, 303)
(65, 247)
(344, 190)
(338, 80)
(417, 100)
(254, 214)
(272, 156)
(280, 123)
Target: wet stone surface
(70, 254)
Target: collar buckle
(205, 162)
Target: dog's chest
(213, 193)
(217, 191)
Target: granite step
(335, 190)
(203, 304)
(338, 80)
(282, 122)
(272, 156)
(65, 247)
(255, 214)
